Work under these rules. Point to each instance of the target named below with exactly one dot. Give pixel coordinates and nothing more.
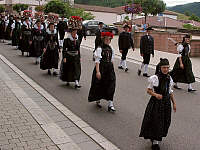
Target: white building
(32, 3)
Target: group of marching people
(157, 117)
(41, 41)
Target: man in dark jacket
(146, 49)
(125, 42)
(62, 27)
(81, 33)
(98, 35)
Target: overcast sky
(179, 2)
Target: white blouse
(180, 49)
(154, 82)
(97, 54)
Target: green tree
(55, 6)
(20, 7)
(187, 13)
(153, 7)
(2, 8)
(39, 8)
(194, 17)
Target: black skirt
(15, 37)
(157, 119)
(104, 88)
(71, 70)
(49, 59)
(183, 75)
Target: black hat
(100, 23)
(126, 26)
(187, 36)
(149, 28)
(164, 62)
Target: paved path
(33, 119)
(121, 128)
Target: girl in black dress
(103, 78)
(157, 118)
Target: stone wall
(162, 42)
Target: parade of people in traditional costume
(70, 69)
(103, 77)
(125, 42)
(182, 70)
(157, 117)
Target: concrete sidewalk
(32, 119)
(89, 42)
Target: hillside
(191, 7)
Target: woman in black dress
(182, 70)
(26, 36)
(16, 32)
(38, 46)
(2, 28)
(103, 78)
(51, 51)
(71, 65)
(157, 118)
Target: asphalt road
(123, 127)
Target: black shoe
(191, 90)
(155, 147)
(55, 73)
(49, 72)
(145, 75)
(111, 108)
(139, 72)
(120, 67)
(126, 70)
(77, 86)
(98, 104)
(176, 87)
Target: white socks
(110, 103)
(155, 142)
(123, 64)
(37, 59)
(190, 86)
(53, 70)
(76, 82)
(145, 68)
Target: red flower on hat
(109, 34)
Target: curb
(86, 128)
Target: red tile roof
(164, 22)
